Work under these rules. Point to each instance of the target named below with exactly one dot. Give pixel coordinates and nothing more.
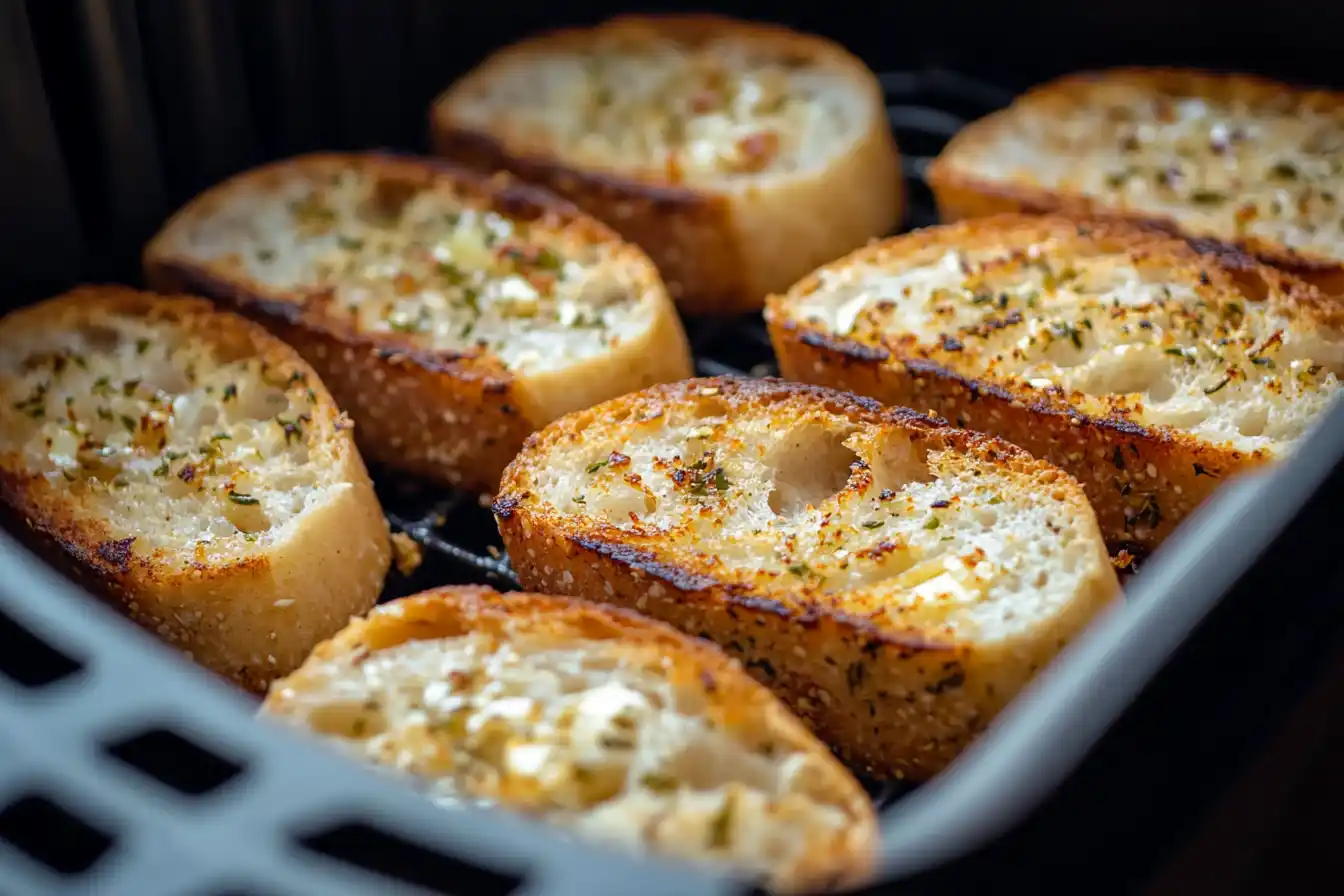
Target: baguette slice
(894, 580)
(449, 314)
(1145, 369)
(193, 469)
(607, 724)
(739, 155)
(1240, 159)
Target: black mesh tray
(124, 770)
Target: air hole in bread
(207, 415)
(249, 518)
(354, 719)
(387, 201)
(811, 467)
(1068, 352)
(1254, 421)
(261, 404)
(1128, 370)
(1330, 282)
(899, 462)
(1250, 281)
(100, 339)
(709, 406)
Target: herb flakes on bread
(895, 580)
(739, 155)
(1148, 370)
(192, 468)
(1237, 158)
(450, 313)
(604, 723)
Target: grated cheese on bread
(192, 468)
(1243, 160)
(606, 724)
(450, 314)
(1146, 369)
(894, 580)
(739, 155)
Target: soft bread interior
(1154, 344)
(805, 504)
(616, 740)
(425, 264)
(634, 100)
(193, 448)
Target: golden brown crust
(732, 698)
(961, 195)
(457, 417)
(1120, 463)
(720, 250)
(225, 617)
(890, 700)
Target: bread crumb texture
(609, 725)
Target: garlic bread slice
(739, 155)
(895, 580)
(609, 725)
(193, 469)
(1146, 369)
(1241, 159)
(450, 313)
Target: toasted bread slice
(1147, 370)
(895, 580)
(449, 314)
(192, 468)
(1240, 159)
(739, 155)
(610, 725)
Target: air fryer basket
(124, 770)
